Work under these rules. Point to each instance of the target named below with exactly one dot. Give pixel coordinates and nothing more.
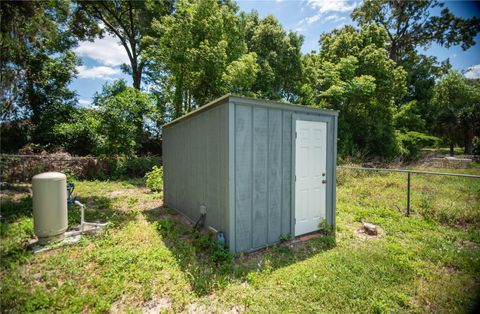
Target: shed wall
(195, 163)
(263, 172)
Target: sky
(102, 58)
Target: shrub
(476, 145)
(155, 179)
(131, 167)
(411, 144)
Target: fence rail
(409, 173)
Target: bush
(411, 143)
(155, 179)
(133, 167)
(476, 145)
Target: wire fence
(409, 174)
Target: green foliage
(240, 75)
(285, 237)
(221, 254)
(411, 25)
(129, 21)
(115, 127)
(131, 167)
(352, 73)
(426, 262)
(207, 243)
(14, 135)
(278, 57)
(476, 145)
(194, 49)
(325, 228)
(155, 179)
(408, 118)
(457, 106)
(221, 52)
(37, 65)
(411, 144)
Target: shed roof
(252, 101)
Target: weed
(155, 179)
(325, 228)
(147, 253)
(285, 237)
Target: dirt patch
(155, 306)
(14, 195)
(202, 308)
(116, 193)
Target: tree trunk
(452, 146)
(136, 76)
(468, 141)
(178, 97)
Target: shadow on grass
(16, 226)
(100, 209)
(5, 187)
(136, 182)
(192, 250)
(13, 210)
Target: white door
(310, 175)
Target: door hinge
(295, 134)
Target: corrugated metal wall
(263, 171)
(236, 159)
(195, 158)
(263, 175)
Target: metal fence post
(408, 194)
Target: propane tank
(50, 218)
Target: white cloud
(335, 18)
(304, 23)
(98, 72)
(473, 72)
(106, 51)
(84, 102)
(323, 6)
(312, 19)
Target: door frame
(330, 166)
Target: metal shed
(262, 169)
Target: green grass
(149, 258)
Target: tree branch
(113, 30)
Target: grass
(149, 258)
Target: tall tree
(199, 53)
(278, 56)
(114, 126)
(127, 20)
(36, 67)
(457, 104)
(353, 73)
(410, 25)
(36, 64)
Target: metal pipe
(82, 214)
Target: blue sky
(102, 58)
